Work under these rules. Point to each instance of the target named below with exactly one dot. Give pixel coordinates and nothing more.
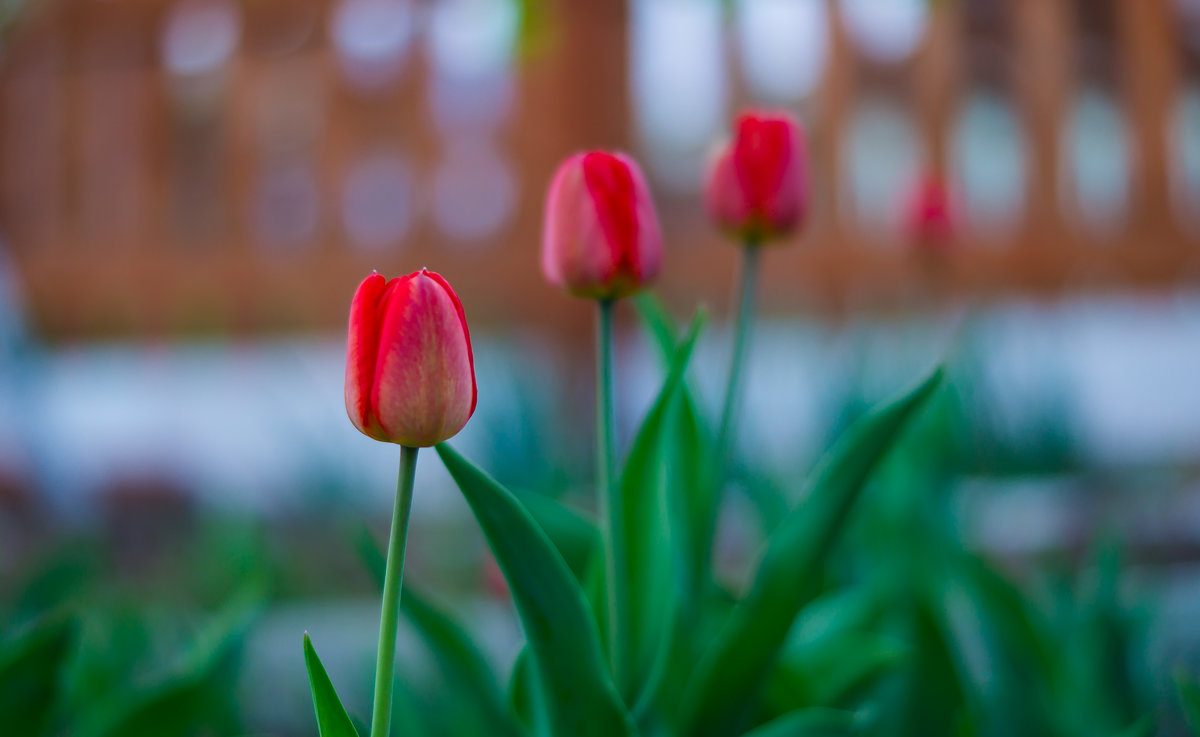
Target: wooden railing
(140, 200)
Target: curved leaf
(564, 642)
(733, 670)
(30, 669)
(332, 719)
(576, 537)
(649, 560)
(692, 494)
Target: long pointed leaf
(650, 564)
(692, 493)
(732, 671)
(564, 642)
(332, 719)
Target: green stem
(611, 508)
(744, 323)
(385, 661)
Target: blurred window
(200, 36)
(471, 46)
(288, 207)
(378, 200)
(784, 45)
(989, 162)
(886, 31)
(371, 38)
(1186, 156)
(1096, 172)
(474, 191)
(679, 85)
(882, 157)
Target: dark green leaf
(565, 645)
(332, 719)
(1189, 697)
(576, 537)
(734, 668)
(692, 495)
(649, 561)
(832, 669)
(30, 675)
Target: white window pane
(784, 45)
(990, 163)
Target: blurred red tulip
(410, 373)
(601, 236)
(758, 185)
(928, 217)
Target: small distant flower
(410, 373)
(929, 218)
(758, 187)
(601, 237)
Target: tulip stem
(385, 662)
(744, 323)
(611, 506)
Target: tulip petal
(362, 348)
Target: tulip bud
(601, 237)
(758, 186)
(928, 217)
(410, 373)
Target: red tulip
(410, 373)
(758, 183)
(601, 237)
(928, 217)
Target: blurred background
(190, 190)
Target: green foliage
(738, 662)
(703, 660)
(332, 719)
(1188, 689)
(580, 696)
(31, 669)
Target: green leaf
(30, 669)
(576, 537)
(461, 661)
(524, 694)
(332, 719)
(832, 669)
(649, 560)
(658, 323)
(1188, 689)
(808, 723)
(734, 668)
(580, 697)
(692, 493)
(195, 694)
(456, 654)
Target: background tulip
(601, 237)
(758, 183)
(928, 216)
(410, 373)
